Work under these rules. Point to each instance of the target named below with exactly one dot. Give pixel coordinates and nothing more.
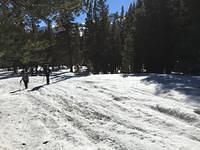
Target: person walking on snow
(47, 72)
(25, 78)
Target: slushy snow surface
(100, 112)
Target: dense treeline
(152, 36)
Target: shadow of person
(15, 91)
(37, 88)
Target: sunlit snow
(100, 112)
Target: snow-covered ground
(100, 112)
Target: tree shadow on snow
(56, 79)
(187, 85)
(60, 78)
(7, 75)
(58, 74)
(125, 75)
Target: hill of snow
(100, 112)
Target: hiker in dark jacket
(25, 78)
(47, 72)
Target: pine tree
(157, 36)
(116, 44)
(128, 53)
(195, 31)
(76, 51)
(140, 38)
(97, 34)
(103, 36)
(190, 50)
(89, 36)
(12, 35)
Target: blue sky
(114, 5)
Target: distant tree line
(153, 36)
